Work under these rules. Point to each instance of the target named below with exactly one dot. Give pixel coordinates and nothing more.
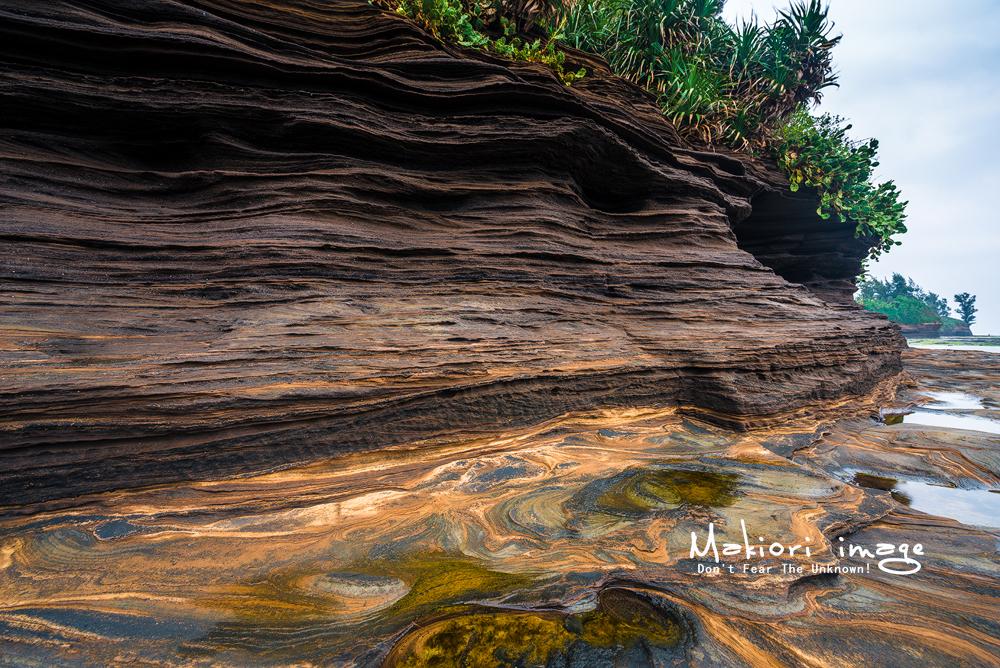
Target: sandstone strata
(567, 543)
(241, 236)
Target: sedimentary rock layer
(239, 236)
(568, 543)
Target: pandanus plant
(716, 82)
(746, 87)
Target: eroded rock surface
(240, 236)
(568, 543)
(786, 234)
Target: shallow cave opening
(787, 235)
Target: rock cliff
(924, 329)
(240, 236)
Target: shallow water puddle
(948, 346)
(944, 401)
(950, 421)
(973, 507)
(938, 413)
(969, 506)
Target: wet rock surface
(245, 236)
(326, 344)
(568, 543)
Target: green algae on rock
(532, 639)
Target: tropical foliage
(905, 302)
(905, 311)
(967, 307)
(872, 289)
(471, 23)
(745, 87)
(815, 151)
(718, 83)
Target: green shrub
(465, 23)
(905, 311)
(815, 151)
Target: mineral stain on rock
(325, 343)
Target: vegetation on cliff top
(816, 152)
(744, 87)
(906, 303)
(482, 25)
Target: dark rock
(785, 232)
(953, 327)
(923, 329)
(239, 237)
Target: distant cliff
(241, 236)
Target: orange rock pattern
(239, 236)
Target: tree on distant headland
(966, 307)
(899, 287)
(906, 303)
(939, 304)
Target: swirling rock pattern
(567, 543)
(239, 236)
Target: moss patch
(530, 639)
(635, 493)
(484, 641)
(277, 598)
(447, 582)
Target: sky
(923, 78)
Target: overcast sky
(923, 78)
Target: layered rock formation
(242, 236)
(784, 232)
(567, 543)
(924, 329)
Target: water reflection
(885, 484)
(950, 421)
(893, 418)
(969, 506)
(941, 412)
(973, 507)
(953, 401)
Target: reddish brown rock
(240, 236)
(923, 329)
(955, 327)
